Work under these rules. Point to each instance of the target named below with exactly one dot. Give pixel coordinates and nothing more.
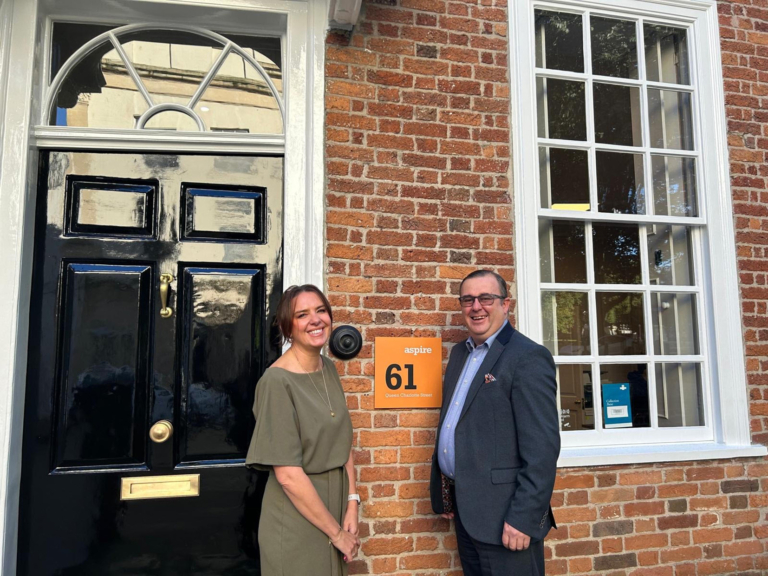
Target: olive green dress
(294, 427)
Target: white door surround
(25, 33)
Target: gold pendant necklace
(322, 371)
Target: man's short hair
(480, 273)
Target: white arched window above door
(173, 78)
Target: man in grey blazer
(498, 439)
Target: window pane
(574, 388)
(620, 183)
(678, 395)
(564, 179)
(620, 323)
(614, 47)
(674, 186)
(666, 54)
(559, 44)
(617, 114)
(669, 252)
(563, 256)
(616, 249)
(561, 109)
(237, 98)
(624, 390)
(675, 329)
(99, 92)
(669, 114)
(566, 323)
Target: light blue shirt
(446, 449)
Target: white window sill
(608, 455)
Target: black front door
(155, 283)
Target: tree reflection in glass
(565, 317)
(621, 323)
(616, 249)
(666, 54)
(564, 179)
(674, 185)
(620, 183)
(559, 44)
(669, 253)
(617, 114)
(561, 109)
(670, 119)
(563, 256)
(614, 47)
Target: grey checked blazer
(507, 439)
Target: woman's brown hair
(285, 309)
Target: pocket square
(489, 378)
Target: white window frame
(25, 30)
(728, 433)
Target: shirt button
(445, 450)
(474, 359)
(448, 425)
(456, 403)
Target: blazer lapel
(488, 362)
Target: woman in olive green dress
(303, 436)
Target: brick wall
(418, 194)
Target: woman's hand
(347, 544)
(350, 518)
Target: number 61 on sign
(408, 372)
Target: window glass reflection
(564, 179)
(617, 114)
(624, 393)
(559, 44)
(565, 317)
(614, 47)
(675, 329)
(561, 109)
(666, 54)
(674, 185)
(678, 395)
(574, 389)
(616, 249)
(100, 93)
(670, 119)
(563, 256)
(620, 183)
(621, 323)
(669, 252)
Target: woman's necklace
(322, 371)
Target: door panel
(104, 374)
(105, 364)
(223, 308)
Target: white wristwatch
(354, 497)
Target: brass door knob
(161, 431)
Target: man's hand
(447, 515)
(514, 539)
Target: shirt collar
(489, 342)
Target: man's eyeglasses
(484, 299)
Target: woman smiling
(303, 436)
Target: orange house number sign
(408, 373)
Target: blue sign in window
(617, 408)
